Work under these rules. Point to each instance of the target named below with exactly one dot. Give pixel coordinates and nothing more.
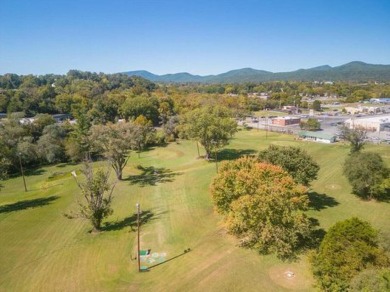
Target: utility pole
(21, 170)
(138, 245)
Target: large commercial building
(374, 124)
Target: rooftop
(384, 118)
(320, 135)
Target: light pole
(138, 245)
(21, 170)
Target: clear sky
(196, 36)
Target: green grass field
(41, 250)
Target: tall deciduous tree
(78, 146)
(296, 161)
(133, 107)
(97, 191)
(349, 247)
(311, 124)
(262, 205)
(356, 137)
(212, 126)
(4, 163)
(51, 143)
(368, 175)
(316, 105)
(114, 141)
(143, 134)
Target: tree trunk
(119, 174)
(96, 223)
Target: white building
(375, 124)
(362, 109)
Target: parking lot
(329, 124)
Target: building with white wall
(374, 124)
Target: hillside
(353, 71)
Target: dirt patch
(287, 277)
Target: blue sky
(199, 37)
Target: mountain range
(353, 71)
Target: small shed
(317, 136)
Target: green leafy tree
(356, 137)
(78, 146)
(371, 280)
(311, 124)
(51, 144)
(39, 123)
(170, 128)
(27, 150)
(368, 175)
(349, 247)
(262, 206)
(4, 164)
(143, 134)
(316, 105)
(141, 105)
(114, 141)
(296, 161)
(212, 126)
(97, 192)
(104, 110)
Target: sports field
(41, 250)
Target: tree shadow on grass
(232, 154)
(130, 221)
(34, 171)
(28, 172)
(27, 204)
(151, 175)
(310, 241)
(64, 164)
(321, 201)
(316, 234)
(171, 259)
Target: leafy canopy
(368, 175)
(311, 124)
(371, 280)
(262, 206)
(356, 137)
(212, 126)
(296, 161)
(349, 247)
(113, 141)
(97, 192)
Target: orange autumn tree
(262, 206)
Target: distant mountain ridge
(353, 71)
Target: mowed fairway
(41, 250)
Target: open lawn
(41, 250)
